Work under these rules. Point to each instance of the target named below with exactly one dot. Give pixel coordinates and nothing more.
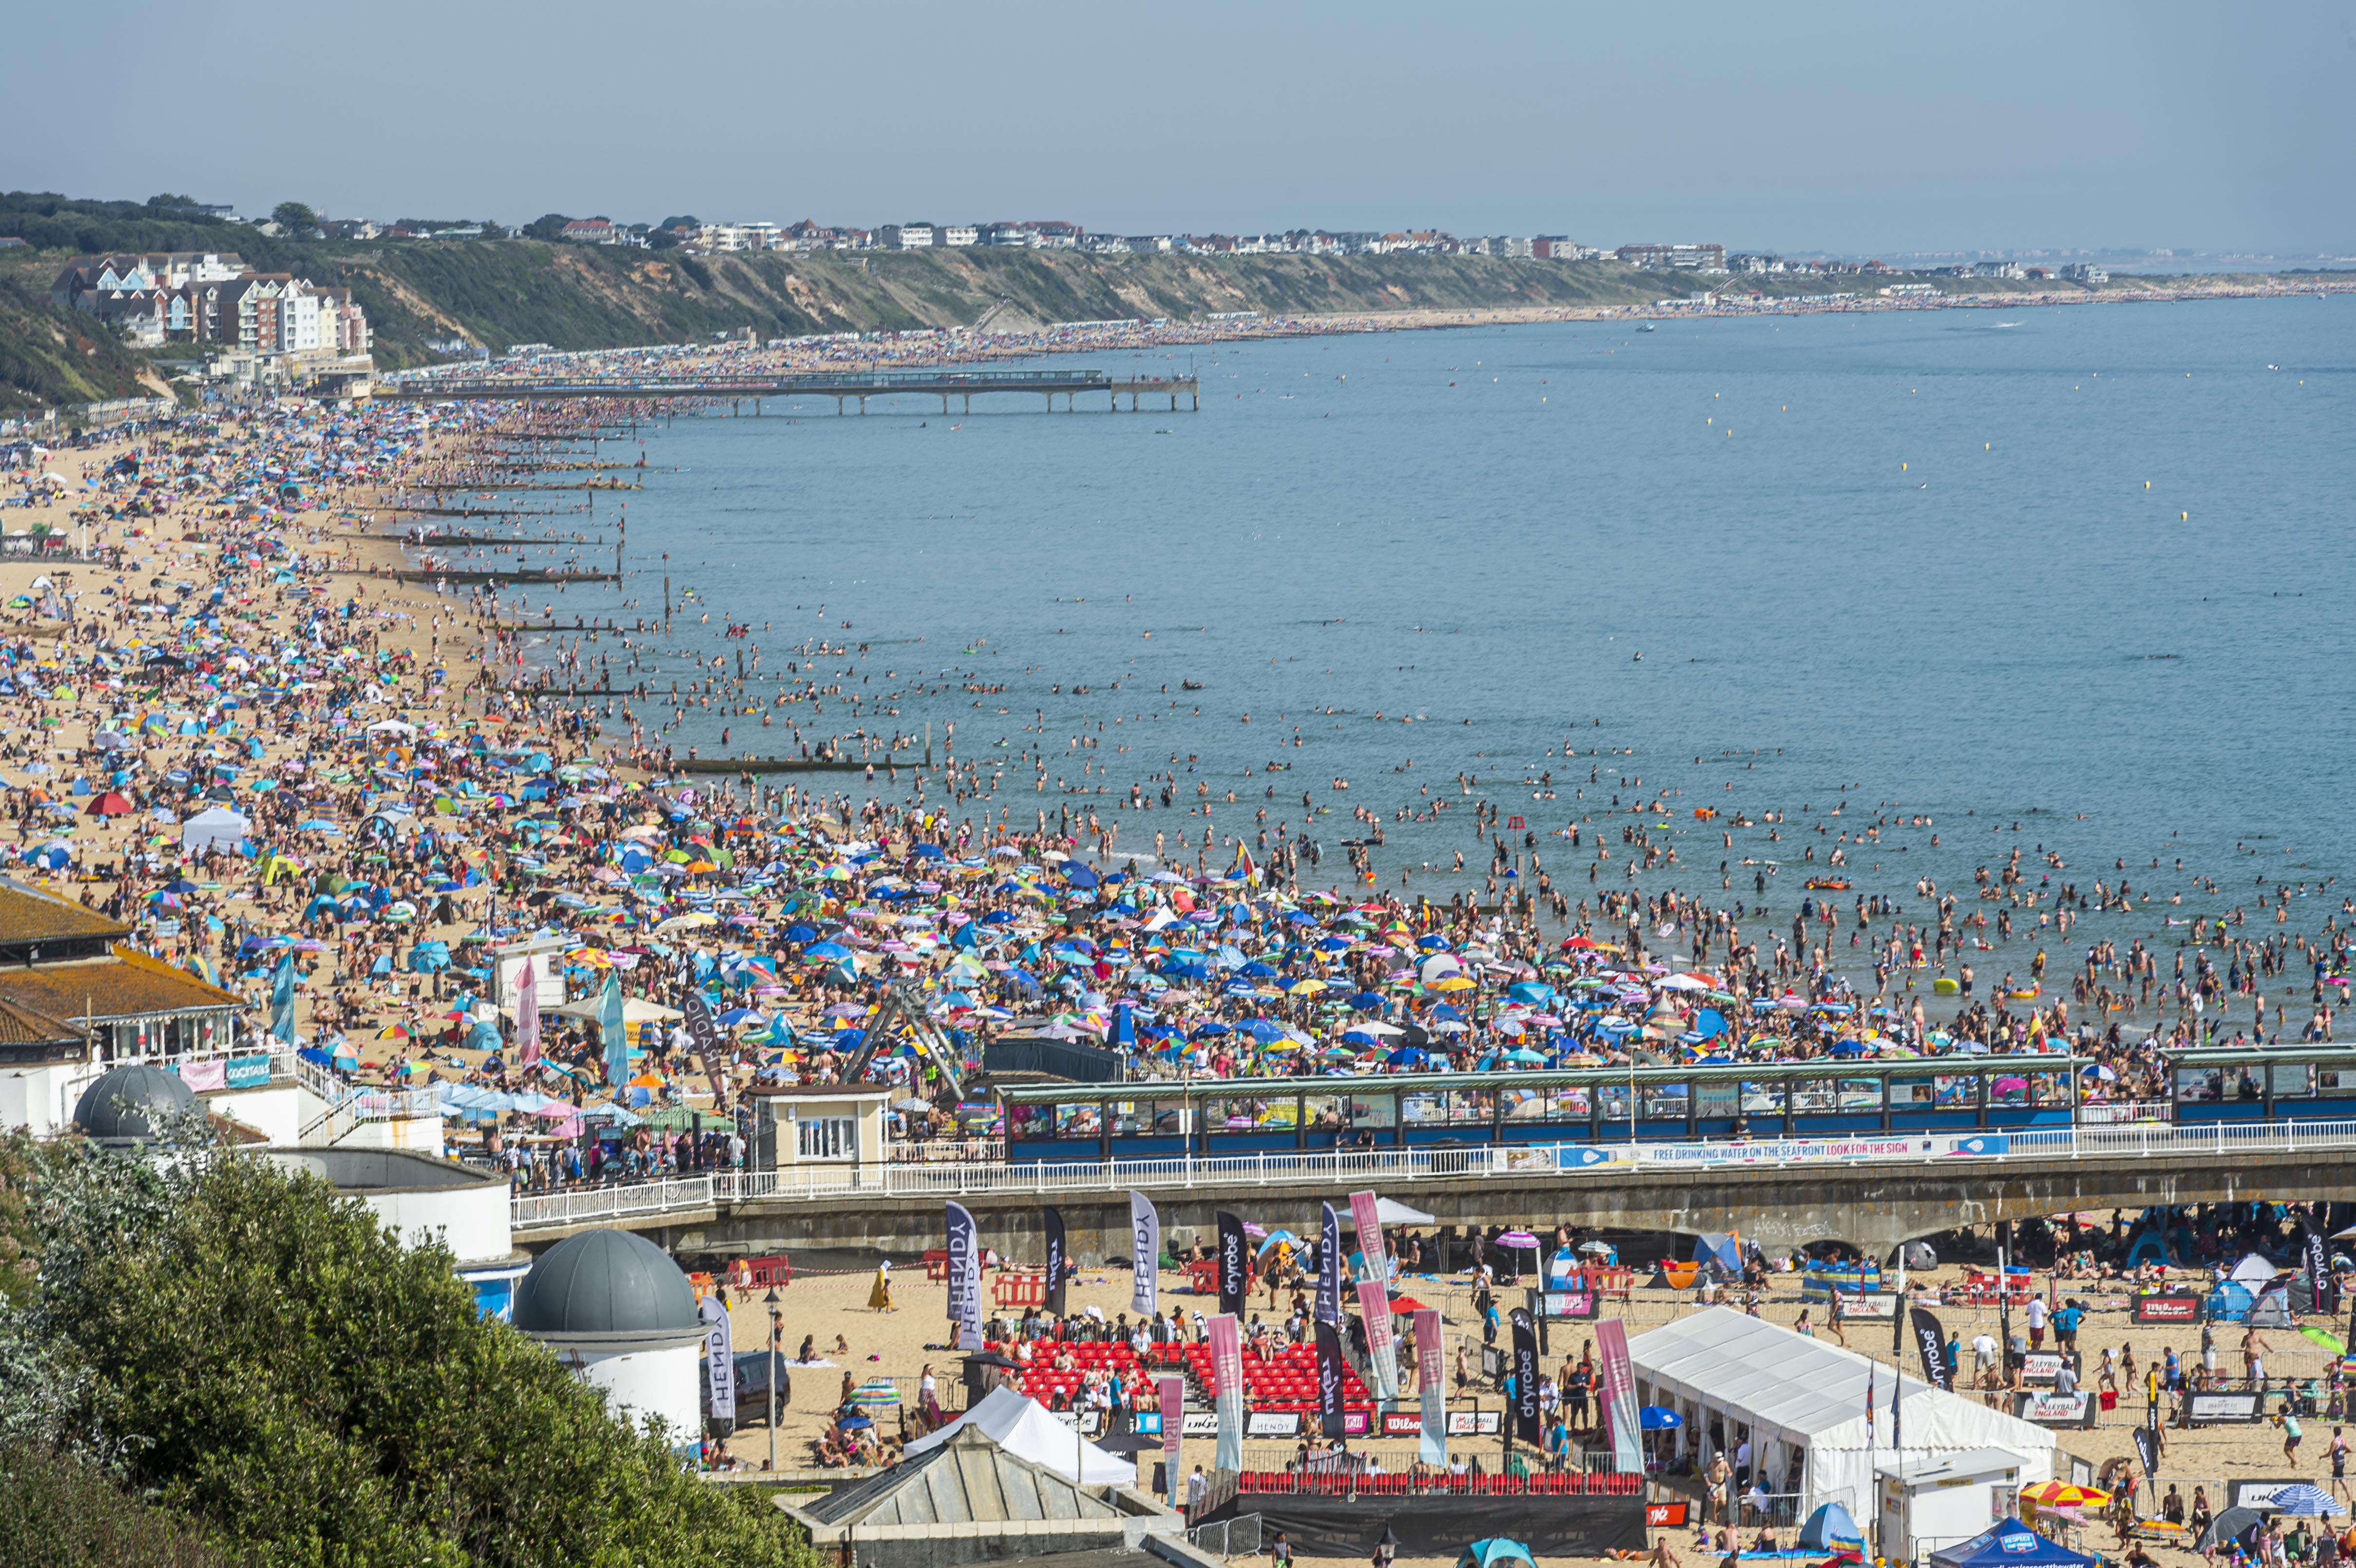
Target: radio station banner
(1144, 1254)
(2170, 1306)
(2058, 1410)
(1329, 1267)
(1228, 1390)
(719, 1362)
(1170, 1420)
(1431, 1387)
(2207, 1409)
(1382, 1357)
(1059, 1259)
(1366, 1215)
(1620, 1396)
(965, 1277)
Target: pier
(844, 387)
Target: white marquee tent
(1800, 1403)
(1022, 1427)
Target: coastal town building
(905, 236)
(208, 296)
(1703, 258)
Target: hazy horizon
(1855, 132)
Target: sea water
(2071, 578)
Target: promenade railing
(1569, 1162)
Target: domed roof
(126, 1103)
(606, 1283)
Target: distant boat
(1649, 326)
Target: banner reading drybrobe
(1228, 1392)
(1235, 1274)
(1144, 1253)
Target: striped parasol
(876, 1391)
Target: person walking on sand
(878, 1297)
(2254, 1363)
(2338, 1453)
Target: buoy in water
(2146, 484)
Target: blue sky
(1847, 128)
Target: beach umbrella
(2302, 1500)
(876, 1391)
(2062, 1494)
(1658, 1418)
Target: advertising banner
(2056, 1410)
(248, 1072)
(2168, 1306)
(1382, 1356)
(1367, 1218)
(1576, 1305)
(1526, 1378)
(1144, 1253)
(965, 1278)
(2211, 1409)
(1235, 1274)
(1329, 1267)
(1931, 1343)
(1329, 1380)
(1057, 1258)
(1431, 1387)
(1228, 1390)
(720, 1359)
(1620, 1396)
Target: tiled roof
(23, 1026)
(29, 915)
(125, 986)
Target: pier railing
(1571, 1161)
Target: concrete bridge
(844, 387)
(1873, 1202)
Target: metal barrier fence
(1237, 1537)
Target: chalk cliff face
(580, 296)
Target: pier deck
(845, 388)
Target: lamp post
(776, 1343)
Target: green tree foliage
(259, 1356)
(59, 1511)
(296, 217)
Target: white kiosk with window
(820, 1127)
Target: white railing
(544, 1210)
(1345, 1168)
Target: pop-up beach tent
(2008, 1543)
(1801, 1405)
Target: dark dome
(605, 1282)
(125, 1104)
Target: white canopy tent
(217, 827)
(1800, 1403)
(1020, 1425)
